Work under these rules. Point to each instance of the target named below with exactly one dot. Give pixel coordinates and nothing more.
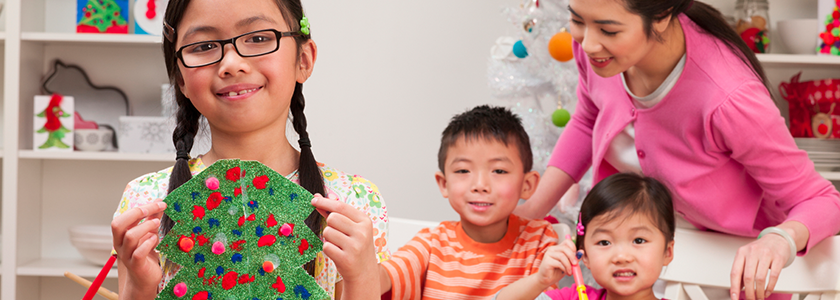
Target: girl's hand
(752, 262)
(135, 243)
(348, 241)
(556, 263)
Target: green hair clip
(304, 25)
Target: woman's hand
(135, 243)
(752, 263)
(348, 241)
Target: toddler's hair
(487, 122)
(629, 193)
(188, 116)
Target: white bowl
(800, 36)
(96, 256)
(92, 139)
(90, 231)
(96, 244)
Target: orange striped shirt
(444, 263)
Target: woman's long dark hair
(705, 16)
(188, 116)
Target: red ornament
(822, 129)
(198, 212)
(266, 240)
(233, 174)
(279, 286)
(229, 281)
(237, 245)
(202, 295)
(214, 200)
(835, 15)
(270, 221)
(260, 181)
(304, 244)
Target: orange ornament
(560, 46)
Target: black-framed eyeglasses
(255, 43)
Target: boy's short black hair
(487, 122)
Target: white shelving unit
(43, 193)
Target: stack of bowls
(94, 242)
(824, 153)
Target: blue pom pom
(519, 49)
(236, 258)
(220, 270)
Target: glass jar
(753, 24)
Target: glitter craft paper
(239, 234)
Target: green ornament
(560, 117)
(835, 51)
(835, 32)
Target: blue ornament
(519, 49)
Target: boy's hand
(556, 263)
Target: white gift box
(154, 135)
(53, 123)
(146, 135)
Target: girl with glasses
(242, 65)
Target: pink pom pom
(218, 248)
(180, 289)
(286, 230)
(212, 183)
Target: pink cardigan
(716, 140)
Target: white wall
(389, 75)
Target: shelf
(103, 38)
(104, 156)
(781, 60)
(54, 267)
(832, 176)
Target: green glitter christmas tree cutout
(239, 234)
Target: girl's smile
(238, 91)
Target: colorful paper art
(53, 123)
(102, 16)
(239, 234)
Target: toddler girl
(625, 235)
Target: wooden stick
(84, 282)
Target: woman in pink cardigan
(669, 90)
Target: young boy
(485, 168)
